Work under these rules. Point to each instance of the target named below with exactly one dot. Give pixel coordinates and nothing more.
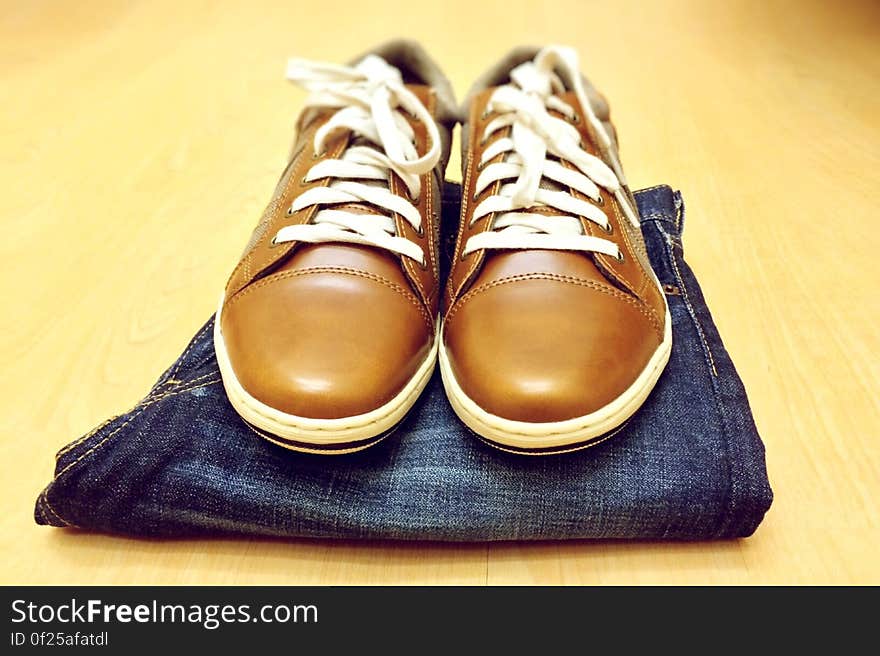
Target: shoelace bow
(533, 151)
(369, 98)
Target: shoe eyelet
(608, 229)
(600, 201)
(317, 155)
(421, 231)
(289, 211)
(576, 119)
(303, 181)
(620, 257)
(485, 115)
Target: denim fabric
(688, 465)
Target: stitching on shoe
(426, 182)
(431, 202)
(647, 286)
(271, 211)
(292, 181)
(640, 291)
(605, 289)
(464, 225)
(343, 270)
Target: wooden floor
(139, 142)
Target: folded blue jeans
(688, 465)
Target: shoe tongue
(375, 68)
(552, 185)
(546, 210)
(363, 208)
(570, 264)
(378, 71)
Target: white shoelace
(370, 98)
(535, 137)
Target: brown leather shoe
(555, 328)
(326, 332)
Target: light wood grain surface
(140, 140)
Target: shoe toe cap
(544, 350)
(325, 345)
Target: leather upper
(333, 330)
(547, 335)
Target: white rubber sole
(326, 436)
(547, 438)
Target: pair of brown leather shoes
(554, 328)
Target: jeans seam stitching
(180, 383)
(687, 301)
(41, 508)
(138, 410)
(48, 506)
(173, 375)
(152, 395)
(716, 381)
(82, 439)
